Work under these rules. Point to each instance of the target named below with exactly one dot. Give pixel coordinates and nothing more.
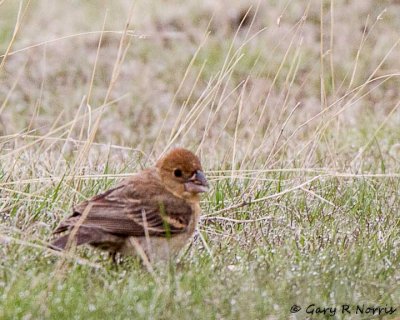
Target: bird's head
(181, 172)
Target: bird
(152, 214)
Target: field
(293, 107)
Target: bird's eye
(178, 173)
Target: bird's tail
(87, 235)
(59, 243)
(81, 237)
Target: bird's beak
(197, 183)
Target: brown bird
(154, 212)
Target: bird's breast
(162, 248)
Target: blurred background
(248, 81)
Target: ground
(292, 107)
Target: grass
(294, 113)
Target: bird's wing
(135, 208)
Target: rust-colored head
(182, 173)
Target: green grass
(307, 251)
(304, 205)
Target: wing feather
(133, 209)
